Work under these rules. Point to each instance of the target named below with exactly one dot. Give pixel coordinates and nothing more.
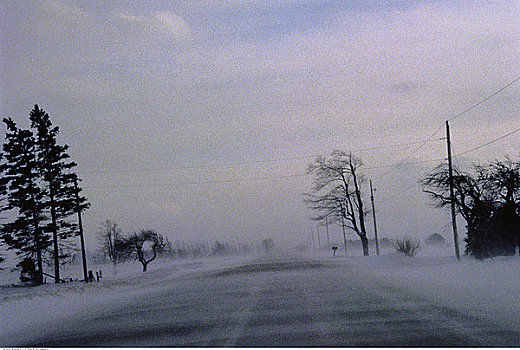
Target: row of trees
(38, 193)
(145, 245)
(487, 197)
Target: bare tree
(337, 192)
(488, 199)
(469, 189)
(110, 238)
(143, 246)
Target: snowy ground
(21, 307)
(487, 289)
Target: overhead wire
(473, 106)
(484, 100)
(401, 164)
(411, 154)
(454, 156)
(488, 143)
(226, 165)
(246, 179)
(392, 167)
(400, 193)
(458, 115)
(200, 182)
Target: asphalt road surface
(276, 302)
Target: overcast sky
(157, 98)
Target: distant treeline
(113, 242)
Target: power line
(200, 182)
(457, 155)
(226, 165)
(452, 118)
(484, 100)
(302, 175)
(191, 167)
(394, 145)
(401, 192)
(422, 143)
(413, 153)
(489, 143)
(392, 166)
(401, 164)
(245, 179)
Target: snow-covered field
(489, 288)
(21, 307)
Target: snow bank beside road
(22, 307)
(489, 288)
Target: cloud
(157, 86)
(163, 23)
(172, 24)
(62, 10)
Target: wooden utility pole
(82, 239)
(374, 216)
(452, 194)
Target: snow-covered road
(273, 302)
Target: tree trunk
(344, 234)
(40, 266)
(145, 262)
(360, 210)
(55, 237)
(364, 243)
(37, 234)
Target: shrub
(407, 245)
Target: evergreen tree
(2, 197)
(20, 185)
(55, 170)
